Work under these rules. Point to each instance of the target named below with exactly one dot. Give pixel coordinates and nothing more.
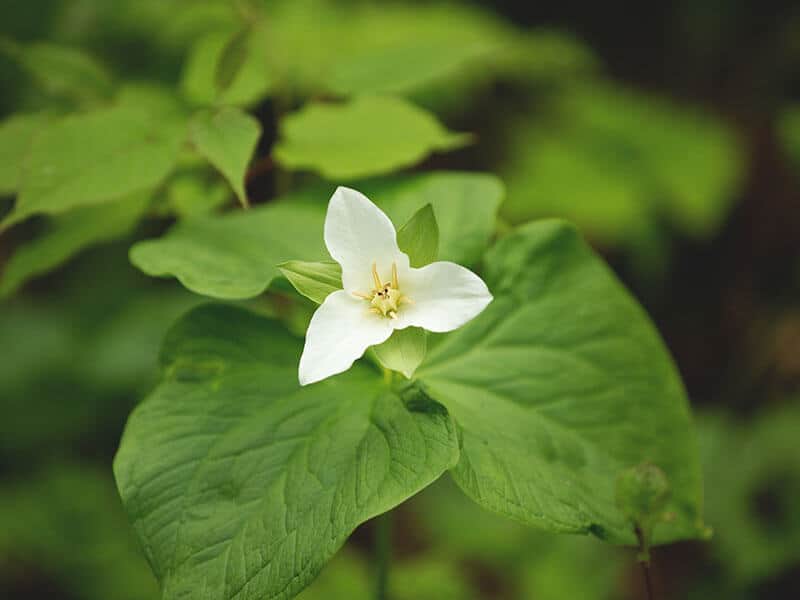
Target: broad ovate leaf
(227, 138)
(236, 256)
(96, 158)
(557, 387)
(240, 483)
(368, 135)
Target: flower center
(385, 298)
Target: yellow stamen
(385, 298)
(375, 277)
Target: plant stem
(644, 560)
(383, 554)
(647, 580)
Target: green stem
(383, 554)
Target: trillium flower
(382, 292)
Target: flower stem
(383, 554)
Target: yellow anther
(385, 298)
(375, 277)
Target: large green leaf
(240, 483)
(68, 234)
(560, 384)
(16, 134)
(95, 158)
(236, 256)
(227, 138)
(369, 135)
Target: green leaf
(789, 132)
(368, 135)
(95, 158)
(403, 351)
(68, 234)
(227, 138)
(403, 67)
(615, 162)
(465, 206)
(236, 256)
(231, 60)
(559, 385)
(190, 195)
(240, 482)
(243, 86)
(62, 71)
(314, 280)
(45, 517)
(419, 237)
(16, 134)
(751, 543)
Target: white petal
(445, 296)
(358, 234)
(341, 329)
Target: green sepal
(314, 280)
(419, 237)
(404, 351)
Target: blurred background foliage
(669, 133)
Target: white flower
(382, 292)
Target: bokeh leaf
(789, 132)
(615, 161)
(751, 500)
(68, 234)
(227, 138)
(238, 481)
(244, 85)
(16, 134)
(369, 135)
(66, 521)
(62, 71)
(95, 158)
(555, 392)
